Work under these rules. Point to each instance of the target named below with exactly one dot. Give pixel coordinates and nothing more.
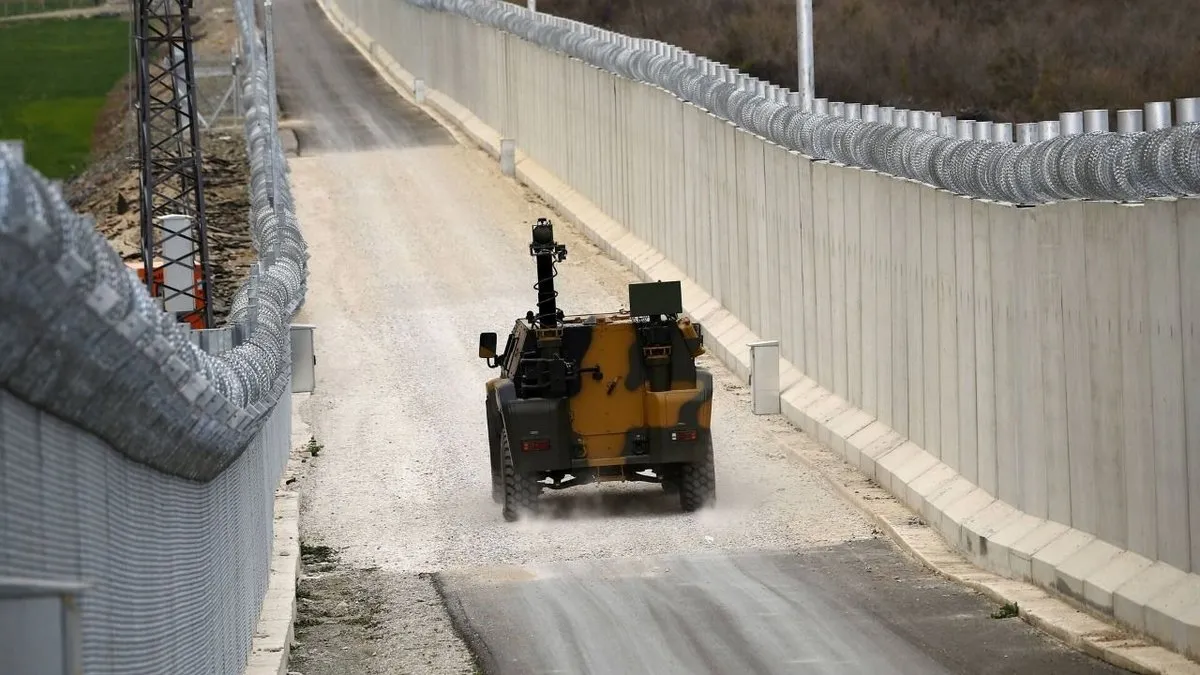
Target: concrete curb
(1091, 581)
(273, 637)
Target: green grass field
(20, 7)
(55, 75)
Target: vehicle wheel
(698, 482)
(520, 490)
(495, 458)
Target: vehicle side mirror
(487, 345)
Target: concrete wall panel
(1169, 451)
(963, 306)
(1030, 456)
(852, 190)
(1189, 273)
(946, 292)
(1052, 352)
(1137, 446)
(931, 353)
(1006, 356)
(983, 327)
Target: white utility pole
(804, 52)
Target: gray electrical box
(304, 359)
(39, 627)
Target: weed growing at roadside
(313, 447)
(1007, 611)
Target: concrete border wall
(1026, 379)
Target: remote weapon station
(598, 397)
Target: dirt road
(418, 244)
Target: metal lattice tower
(172, 183)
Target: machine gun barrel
(546, 252)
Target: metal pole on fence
(273, 126)
(804, 52)
(237, 83)
(252, 297)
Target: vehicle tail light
(684, 435)
(535, 444)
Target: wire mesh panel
(137, 457)
(173, 571)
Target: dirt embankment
(109, 188)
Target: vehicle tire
(520, 490)
(497, 486)
(698, 482)
(495, 457)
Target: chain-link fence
(1097, 165)
(132, 460)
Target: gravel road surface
(419, 244)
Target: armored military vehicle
(598, 397)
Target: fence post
(244, 329)
(419, 90)
(237, 84)
(273, 126)
(764, 377)
(804, 51)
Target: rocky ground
(108, 188)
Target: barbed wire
(82, 338)
(1100, 166)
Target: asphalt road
(417, 245)
(851, 608)
(323, 82)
